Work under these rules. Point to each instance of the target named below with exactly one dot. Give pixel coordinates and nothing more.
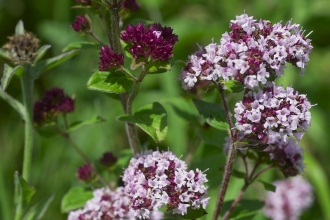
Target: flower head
(86, 173)
(22, 48)
(106, 204)
(109, 59)
(53, 104)
(292, 196)
(155, 179)
(80, 24)
(273, 113)
(288, 156)
(154, 43)
(250, 53)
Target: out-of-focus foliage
(194, 21)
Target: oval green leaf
(8, 72)
(75, 198)
(83, 45)
(194, 213)
(110, 82)
(214, 114)
(41, 52)
(23, 191)
(151, 118)
(158, 66)
(233, 86)
(78, 124)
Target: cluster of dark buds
(53, 104)
(22, 48)
(153, 43)
(109, 59)
(81, 24)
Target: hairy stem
(230, 157)
(27, 91)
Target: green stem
(27, 90)
(115, 30)
(27, 82)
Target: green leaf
(8, 72)
(238, 174)
(211, 136)
(93, 120)
(136, 63)
(233, 86)
(23, 191)
(184, 109)
(194, 213)
(251, 144)
(268, 186)
(110, 82)
(75, 198)
(180, 63)
(41, 52)
(245, 209)
(214, 114)
(158, 66)
(37, 211)
(5, 54)
(83, 45)
(19, 29)
(151, 118)
(48, 130)
(53, 62)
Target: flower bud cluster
(53, 104)
(109, 59)
(154, 43)
(106, 204)
(273, 113)
(290, 199)
(250, 53)
(80, 24)
(155, 179)
(288, 156)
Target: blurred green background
(194, 21)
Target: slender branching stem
(91, 32)
(236, 201)
(230, 157)
(84, 157)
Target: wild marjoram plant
(269, 121)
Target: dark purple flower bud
(86, 172)
(80, 24)
(84, 2)
(53, 104)
(108, 159)
(109, 59)
(155, 42)
(131, 5)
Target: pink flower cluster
(290, 199)
(273, 113)
(288, 156)
(250, 53)
(106, 204)
(155, 179)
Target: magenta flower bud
(292, 196)
(109, 59)
(108, 159)
(80, 24)
(154, 43)
(53, 104)
(131, 5)
(86, 173)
